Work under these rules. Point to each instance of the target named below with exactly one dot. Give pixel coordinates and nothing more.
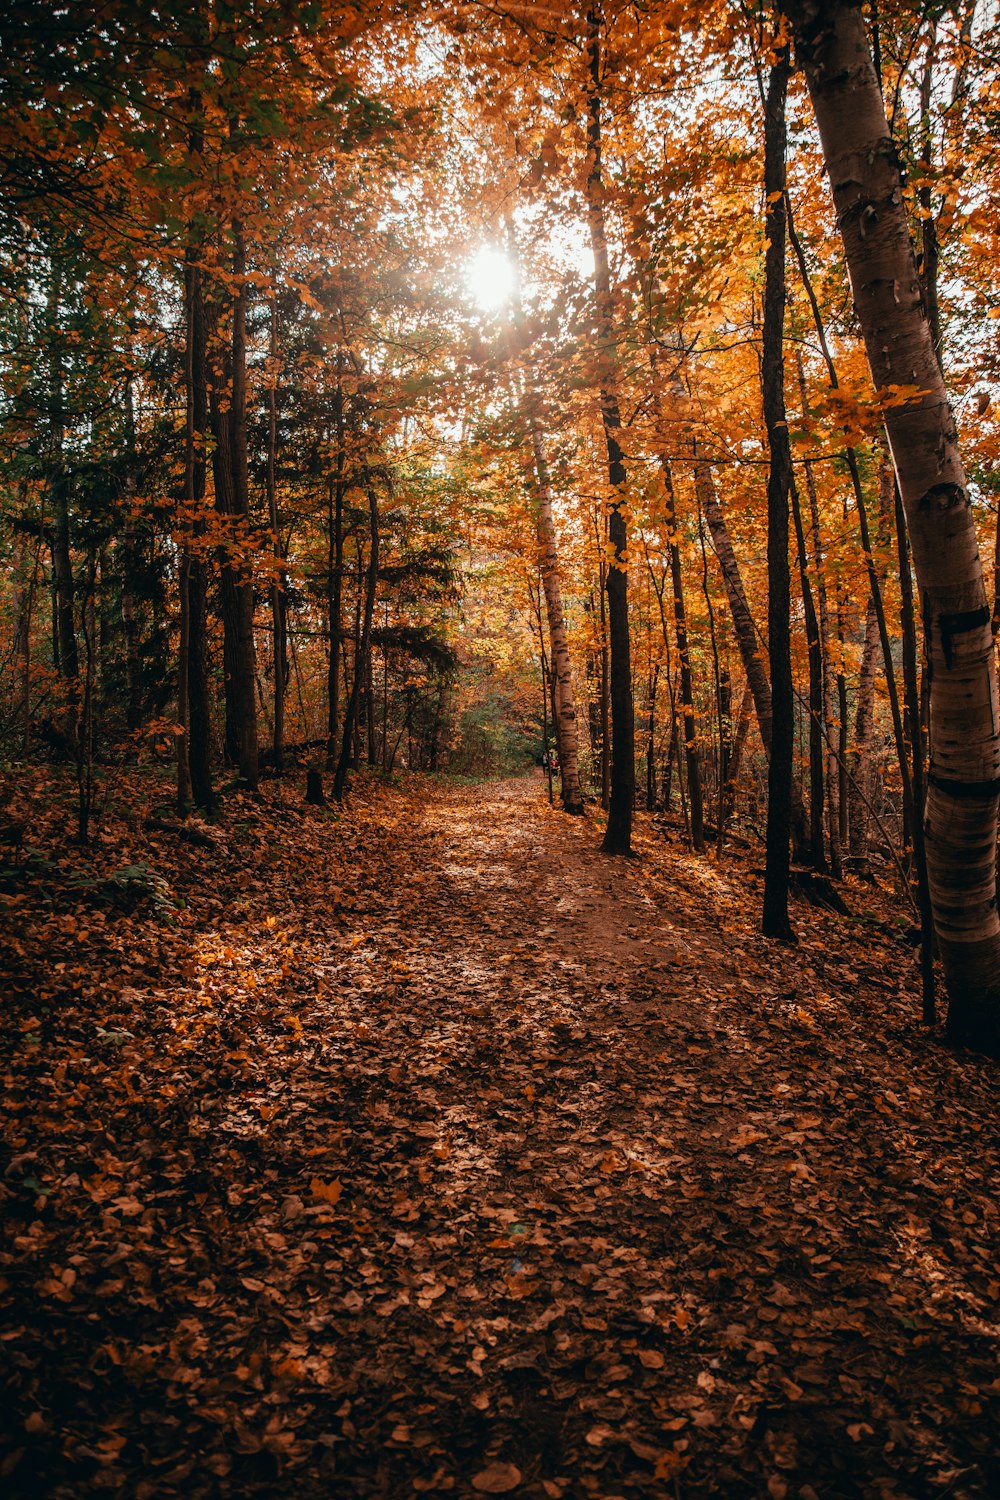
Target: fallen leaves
(498, 1479)
(326, 1192)
(312, 1204)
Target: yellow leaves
(306, 296)
(859, 412)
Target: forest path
(432, 1152)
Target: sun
(490, 278)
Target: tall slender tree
(618, 836)
(963, 787)
(775, 918)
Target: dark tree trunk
(604, 705)
(279, 597)
(363, 648)
(199, 708)
(751, 649)
(816, 850)
(131, 562)
(775, 920)
(651, 740)
(911, 700)
(335, 582)
(65, 651)
(618, 836)
(232, 492)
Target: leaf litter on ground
(417, 1148)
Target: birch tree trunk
(964, 779)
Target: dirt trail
(455, 1158)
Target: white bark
(964, 782)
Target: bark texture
(228, 398)
(564, 702)
(363, 647)
(279, 613)
(964, 779)
(618, 838)
(750, 647)
(775, 920)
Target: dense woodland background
(244, 375)
(274, 457)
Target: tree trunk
(232, 493)
(184, 563)
(605, 686)
(864, 723)
(911, 699)
(131, 562)
(65, 652)
(651, 739)
(692, 751)
(618, 836)
(335, 581)
(750, 647)
(775, 921)
(279, 644)
(21, 650)
(823, 613)
(199, 707)
(723, 700)
(361, 655)
(964, 778)
(564, 706)
(739, 742)
(929, 251)
(816, 850)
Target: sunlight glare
(490, 278)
